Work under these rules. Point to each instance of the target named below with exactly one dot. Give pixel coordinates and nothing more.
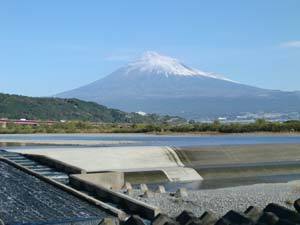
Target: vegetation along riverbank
(157, 128)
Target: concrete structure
(56, 164)
(123, 159)
(109, 180)
(26, 199)
(181, 174)
(113, 158)
(181, 193)
(144, 187)
(127, 186)
(160, 189)
(131, 205)
(241, 161)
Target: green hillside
(16, 107)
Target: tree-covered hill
(16, 107)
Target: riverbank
(222, 200)
(158, 128)
(166, 134)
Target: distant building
(5, 121)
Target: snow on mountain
(160, 84)
(154, 63)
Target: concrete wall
(56, 164)
(131, 205)
(106, 207)
(122, 159)
(109, 180)
(141, 158)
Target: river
(147, 140)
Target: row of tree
(191, 127)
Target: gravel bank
(221, 201)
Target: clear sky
(51, 46)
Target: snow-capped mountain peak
(154, 63)
(160, 84)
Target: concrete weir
(123, 159)
(124, 201)
(182, 174)
(101, 171)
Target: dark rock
(297, 205)
(134, 220)
(222, 222)
(208, 218)
(171, 223)
(283, 213)
(234, 218)
(268, 218)
(194, 222)
(286, 222)
(185, 217)
(163, 219)
(253, 213)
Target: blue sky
(51, 46)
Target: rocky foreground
(220, 201)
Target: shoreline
(160, 134)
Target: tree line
(259, 125)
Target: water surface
(161, 140)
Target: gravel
(221, 201)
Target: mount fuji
(159, 84)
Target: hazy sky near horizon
(47, 47)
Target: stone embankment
(272, 214)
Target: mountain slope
(16, 107)
(160, 84)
